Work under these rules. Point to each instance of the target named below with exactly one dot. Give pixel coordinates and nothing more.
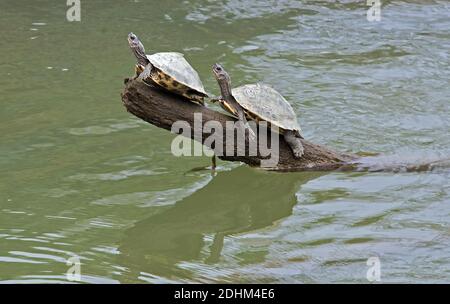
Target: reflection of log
(163, 109)
(234, 202)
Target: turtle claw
(299, 152)
(295, 143)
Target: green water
(80, 176)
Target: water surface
(80, 176)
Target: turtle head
(137, 48)
(220, 73)
(223, 79)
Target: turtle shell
(175, 66)
(269, 105)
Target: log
(161, 108)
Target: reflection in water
(237, 201)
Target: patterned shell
(268, 104)
(174, 65)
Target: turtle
(260, 102)
(169, 70)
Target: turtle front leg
(293, 140)
(241, 116)
(224, 105)
(138, 69)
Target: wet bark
(162, 109)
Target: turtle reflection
(237, 201)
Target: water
(80, 176)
